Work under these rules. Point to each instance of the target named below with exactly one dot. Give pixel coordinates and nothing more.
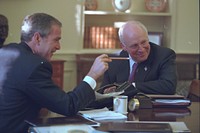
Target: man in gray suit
(25, 79)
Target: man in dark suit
(156, 68)
(25, 80)
(3, 29)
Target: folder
(155, 101)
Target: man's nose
(140, 47)
(58, 46)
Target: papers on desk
(102, 114)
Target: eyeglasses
(136, 46)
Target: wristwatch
(156, 5)
(121, 5)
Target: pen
(119, 58)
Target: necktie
(131, 77)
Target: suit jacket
(26, 86)
(156, 75)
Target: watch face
(156, 5)
(90, 4)
(121, 5)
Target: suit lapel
(123, 72)
(145, 67)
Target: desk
(188, 115)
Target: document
(102, 114)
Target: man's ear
(123, 46)
(36, 37)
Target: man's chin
(141, 59)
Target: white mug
(120, 104)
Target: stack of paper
(102, 114)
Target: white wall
(66, 11)
(187, 26)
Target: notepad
(102, 114)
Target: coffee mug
(120, 104)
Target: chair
(194, 91)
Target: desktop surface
(190, 116)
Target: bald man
(156, 67)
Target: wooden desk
(189, 115)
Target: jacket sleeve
(42, 90)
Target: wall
(67, 12)
(187, 26)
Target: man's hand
(110, 89)
(99, 66)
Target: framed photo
(156, 37)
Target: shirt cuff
(90, 81)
